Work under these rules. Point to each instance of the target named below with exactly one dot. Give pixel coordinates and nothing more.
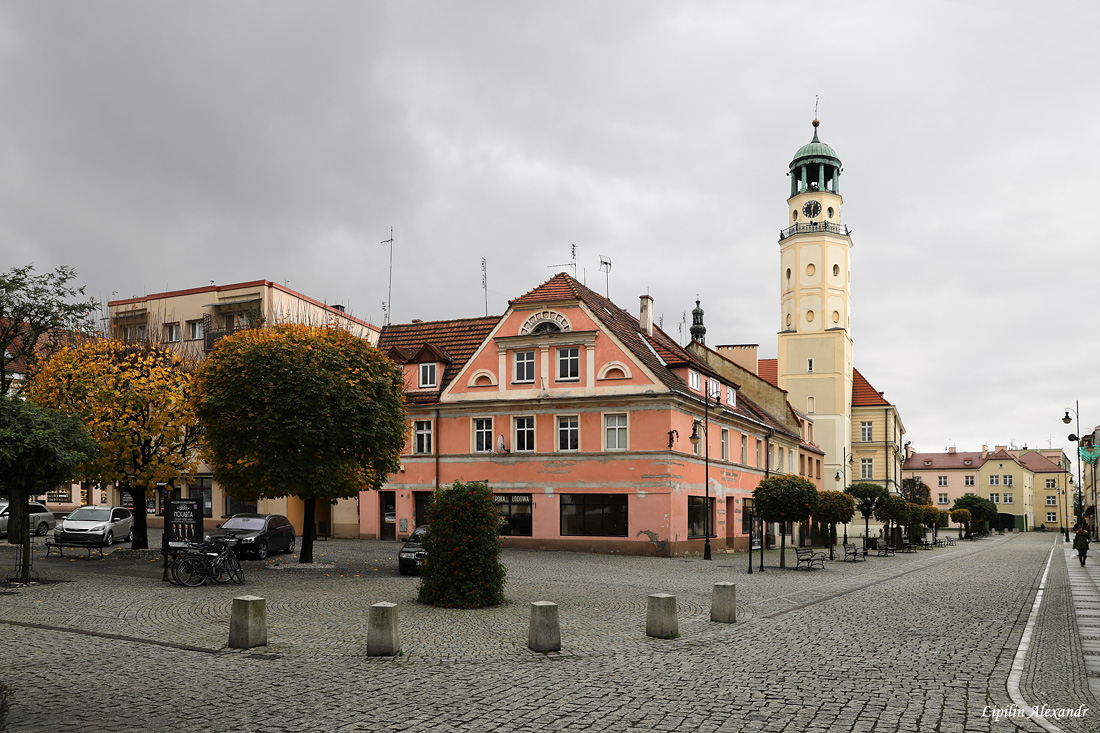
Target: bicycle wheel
(235, 570)
(193, 570)
(171, 572)
(220, 570)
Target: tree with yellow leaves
(297, 410)
(134, 398)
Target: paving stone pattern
(918, 642)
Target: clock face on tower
(811, 209)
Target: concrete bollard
(661, 621)
(248, 623)
(382, 637)
(544, 633)
(723, 607)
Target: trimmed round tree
(893, 509)
(983, 512)
(463, 568)
(785, 498)
(867, 496)
(962, 518)
(934, 518)
(295, 410)
(834, 507)
(133, 398)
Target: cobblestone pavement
(918, 642)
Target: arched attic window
(546, 327)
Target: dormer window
(693, 379)
(731, 396)
(546, 327)
(427, 375)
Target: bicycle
(200, 562)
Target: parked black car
(259, 534)
(412, 553)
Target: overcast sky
(156, 145)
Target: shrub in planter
(463, 568)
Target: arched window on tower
(810, 405)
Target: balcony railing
(814, 226)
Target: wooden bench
(808, 557)
(60, 546)
(851, 551)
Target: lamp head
(694, 433)
(1067, 419)
(1073, 438)
(837, 476)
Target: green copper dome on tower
(815, 167)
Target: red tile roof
(944, 461)
(458, 339)
(863, 394)
(768, 369)
(1038, 463)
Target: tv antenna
(389, 293)
(573, 263)
(485, 285)
(605, 265)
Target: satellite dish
(500, 443)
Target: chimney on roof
(951, 450)
(985, 450)
(417, 320)
(338, 308)
(645, 316)
(745, 356)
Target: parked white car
(41, 519)
(96, 525)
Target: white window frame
(994, 479)
(1006, 480)
(569, 427)
(1006, 498)
(1052, 517)
(725, 444)
(1052, 483)
(422, 437)
(428, 374)
(526, 360)
(968, 480)
(867, 469)
(616, 432)
(195, 330)
(941, 481)
(1052, 500)
(866, 431)
(942, 499)
(483, 434)
(526, 425)
(744, 448)
(731, 396)
(172, 333)
(995, 497)
(569, 364)
(694, 380)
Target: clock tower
(815, 345)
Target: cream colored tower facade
(815, 343)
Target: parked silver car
(96, 525)
(41, 519)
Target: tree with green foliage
(294, 410)
(834, 507)
(785, 498)
(134, 399)
(40, 450)
(39, 314)
(916, 491)
(934, 518)
(463, 568)
(868, 497)
(983, 512)
(893, 510)
(962, 518)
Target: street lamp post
(695, 425)
(1079, 439)
(746, 506)
(848, 458)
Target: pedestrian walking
(1081, 544)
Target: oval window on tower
(809, 316)
(836, 270)
(788, 273)
(810, 269)
(830, 212)
(788, 320)
(836, 316)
